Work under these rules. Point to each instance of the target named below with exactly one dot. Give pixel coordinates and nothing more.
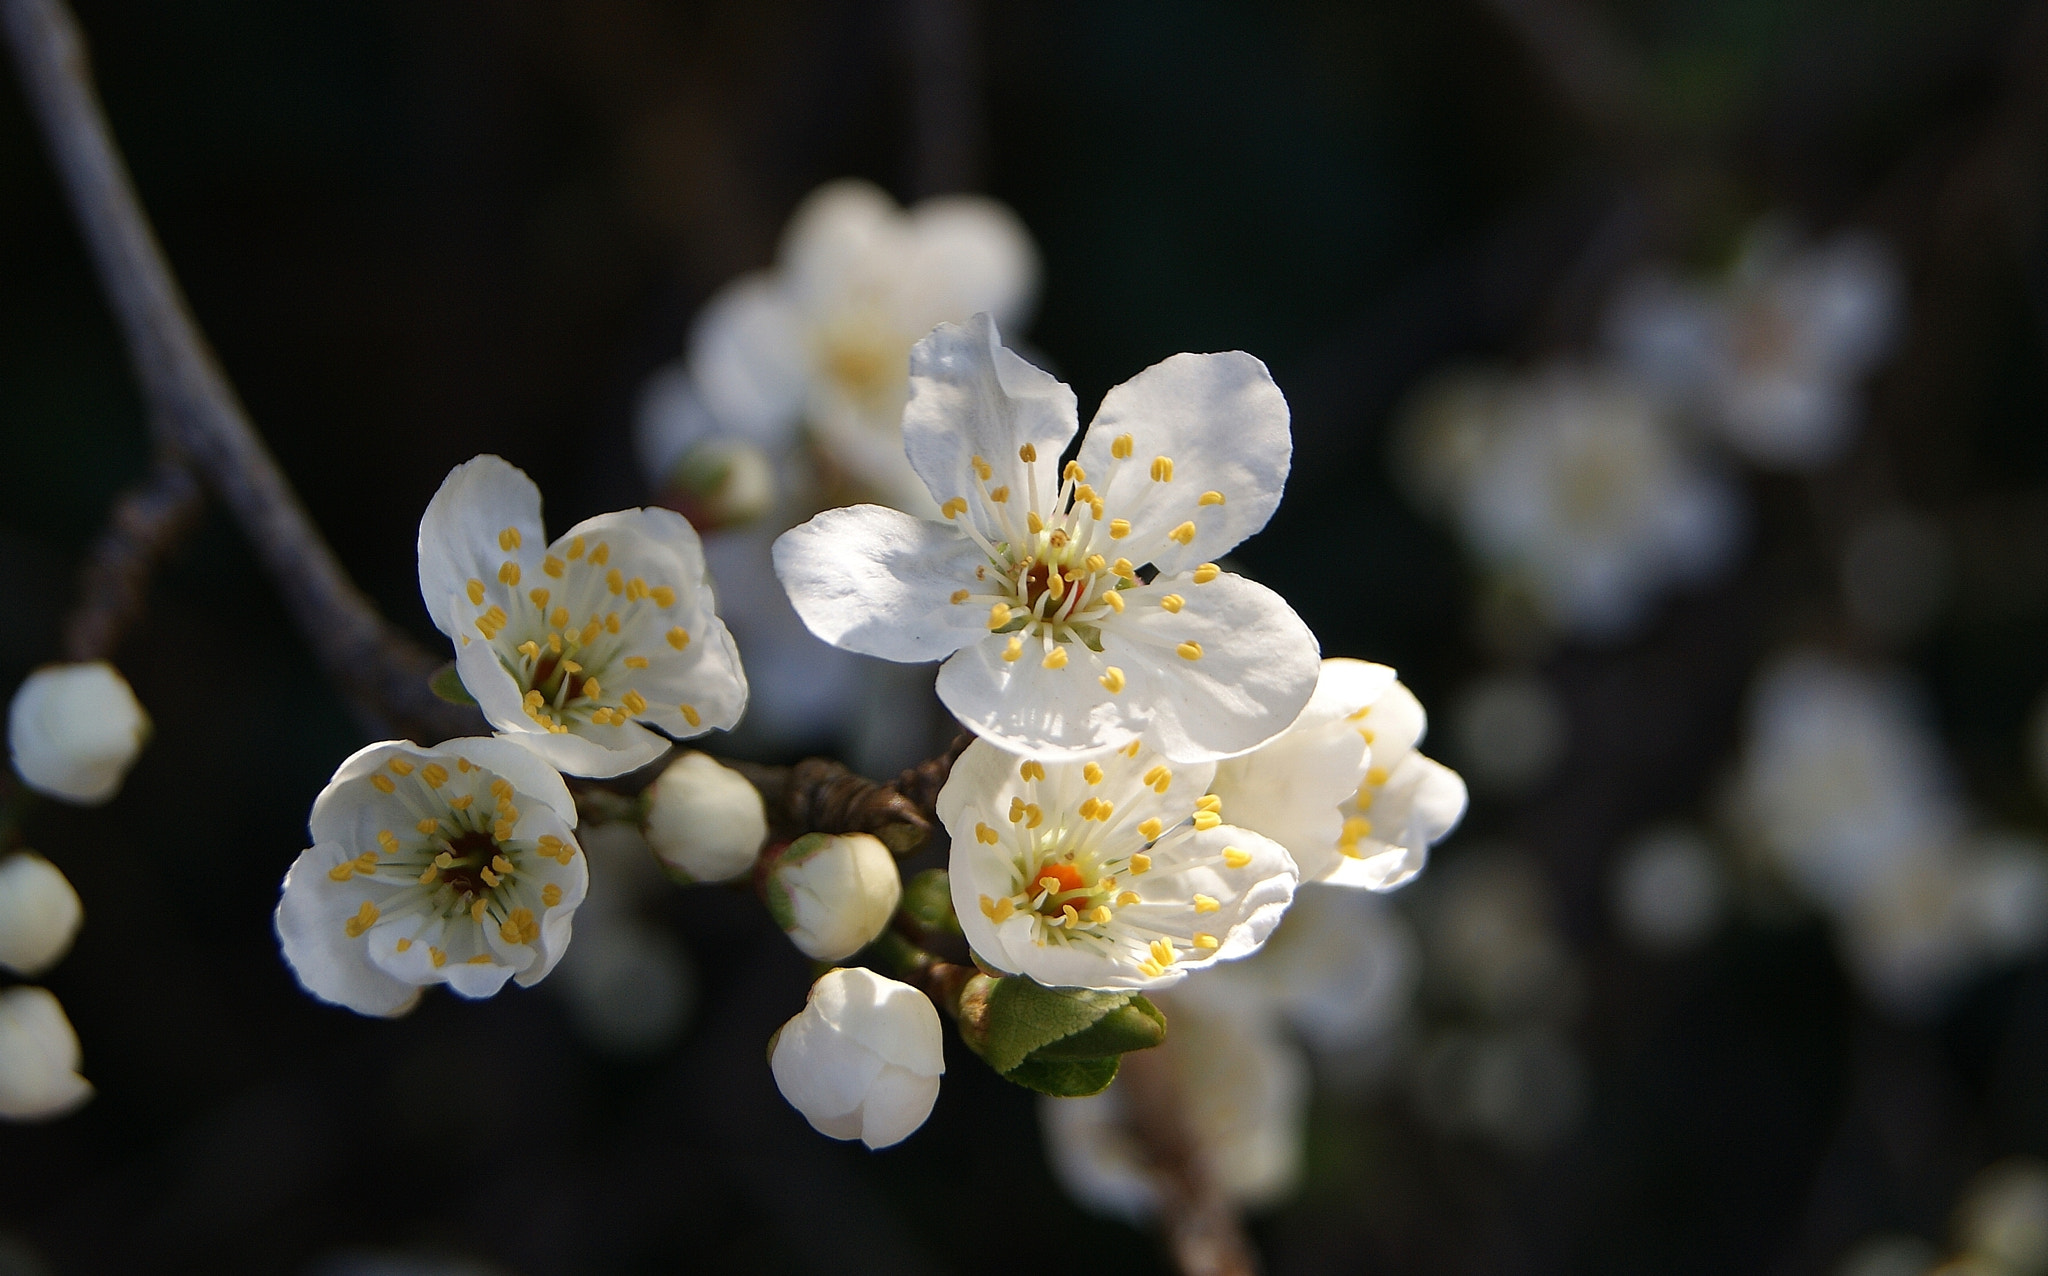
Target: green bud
(928, 899)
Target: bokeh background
(420, 231)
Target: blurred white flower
(721, 482)
(628, 984)
(833, 893)
(1772, 356)
(1491, 941)
(1940, 915)
(1669, 890)
(2003, 1217)
(456, 864)
(576, 648)
(74, 730)
(1343, 788)
(39, 914)
(705, 821)
(825, 336)
(1572, 483)
(1522, 1087)
(1244, 1089)
(863, 1059)
(1031, 590)
(1508, 731)
(39, 1057)
(1113, 873)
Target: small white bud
(39, 914)
(722, 482)
(74, 730)
(704, 820)
(833, 894)
(38, 1057)
(864, 1058)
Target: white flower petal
(897, 1103)
(863, 1059)
(832, 241)
(1222, 425)
(460, 534)
(978, 255)
(750, 360)
(1024, 707)
(39, 914)
(39, 1057)
(328, 963)
(879, 582)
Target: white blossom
(1771, 356)
(456, 864)
(825, 337)
(1669, 890)
(833, 893)
(1343, 788)
(864, 1058)
(576, 648)
(1076, 607)
(1113, 873)
(39, 914)
(39, 1057)
(704, 820)
(1573, 484)
(74, 731)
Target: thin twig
(194, 412)
(146, 521)
(1202, 1227)
(818, 795)
(1593, 71)
(947, 123)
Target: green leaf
(1137, 1025)
(1023, 1016)
(447, 684)
(1065, 1079)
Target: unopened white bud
(704, 820)
(722, 482)
(864, 1058)
(38, 1057)
(39, 914)
(74, 730)
(833, 893)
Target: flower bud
(39, 913)
(833, 894)
(864, 1058)
(722, 482)
(74, 730)
(38, 1057)
(705, 822)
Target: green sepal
(1135, 1025)
(446, 683)
(1065, 1078)
(1017, 1017)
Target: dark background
(419, 231)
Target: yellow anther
(575, 550)
(1376, 776)
(519, 928)
(550, 895)
(961, 596)
(601, 717)
(1055, 584)
(1095, 509)
(1356, 827)
(1000, 495)
(1189, 650)
(533, 700)
(427, 878)
(382, 783)
(1015, 648)
(490, 878)
(1127, 899)
(400, 766)
(342, 872)
(502, 830)
(481, 959)
(634, 702)
(636, 662)
(508, 540)
(690, 714)
(491, 621)
(570, 666)
(1206, 904)
(599, 556)
(1206, 941)
(663, 596)
(998, 615)
(1120, 447)
(1210, 498)
(1073, 473)
(388, 840)
(1122, 567)
(509, 573)
(1095, 563)
(1140, 864)
(988, 907)
(1119, 528)
(1151, 968)
(636, 589)
(1092, 773)
(539, 598)
(615, 580)
(1206, 820)
(476, 592)
(1033, 522)
(1162, 952)
(1002, 910)
(983, 833)
(1032, 815)
(1055, 659)
(1209, 802)
(462, 803)
(438, 957)
(981, 469)
(530, 649)
(429, 826)
(365, 917)
(590, 632)
(476, 911)
(502, 864)
(1350, 849)
(1150, 830)
(1162, 469)
(1059, 540)
(679, 638)
(591, 689)
(1088, 808)
(552, 566)
(1104, 809)
(1206, 573)
(611, 622)
(1069, 916)
(404, 944)
(1185, 533)
(1158, 776)
(954, 508)
(1027, 454)
(444, 860)
(1236, 858)
(1032, 770)
(1101, 915)
(366, 862)
(1016, 809)
(1115, 599)
(1173, 603)
(1112, 680)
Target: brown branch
(146, 521)
(1595, 73)
(1202, 1227)
(194, 412)
(818, 795)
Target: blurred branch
(947, 123)
(1597, 74)
(147, 520)
(1202, 1227)
(818, 795)
(193, 411)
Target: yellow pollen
(401, 766)
(1127, 899)
(481, 959)
(1119, 528)
(1151, 829)
(611, 622)
(983, 833)
(1235, 858)
(1069, 916)
(590, 632)
(1162, 469)
(600, 555)
(961, 596)
(404, 944)
(601, 716)
(999, 615)
(1158, 777)
(519, 928)
(365, 917)
(615, 580)
(1088, 808)
(955, 507)
(550, 895)
(1086, 495)
(1151, 968)
(509, 573)
(1185, 533)
(1210, 498)
(1055, 659)
(444, 860)
(1120, 448)
(999, 495)
(663, 596)
(388, 840)
(1122, 567)
(592, 689)
(1206, 573)
(438, 957)
(1015, 648)
(1206, 820)
(382, 783)
(552, 566)
(634, 702)
(1112, 680)
(1376, 775)
(1034, 522)
(490, 876)
(476, 911)
(1173, 603)
(1095, 509)
(1140, 864)
(636, 662)
(1027, 454)
(476, 592)
(1092, 773)
(690, 714)
(636, 589)
(1101, 915)
(575, 550)
(533, 700)
(342, 872)
(427, 878)
(1059, 539)
(1189, 650)
(1204, 940)
(1104, 809)
(1074, 473)
(462, 803)
(1032, 770)
(1056, 583)
(1356, 827)
(1162, 952)
(502, 864)
(981, 469)
(1095, 563)
(429, 826)
(530, 649)
(1115, 599)
(679, 638)
(1206, 904)
(1131, 750)
(502, 830)
(508, 540)
(1209, 802)
(1032, 815)
(1016, 809)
